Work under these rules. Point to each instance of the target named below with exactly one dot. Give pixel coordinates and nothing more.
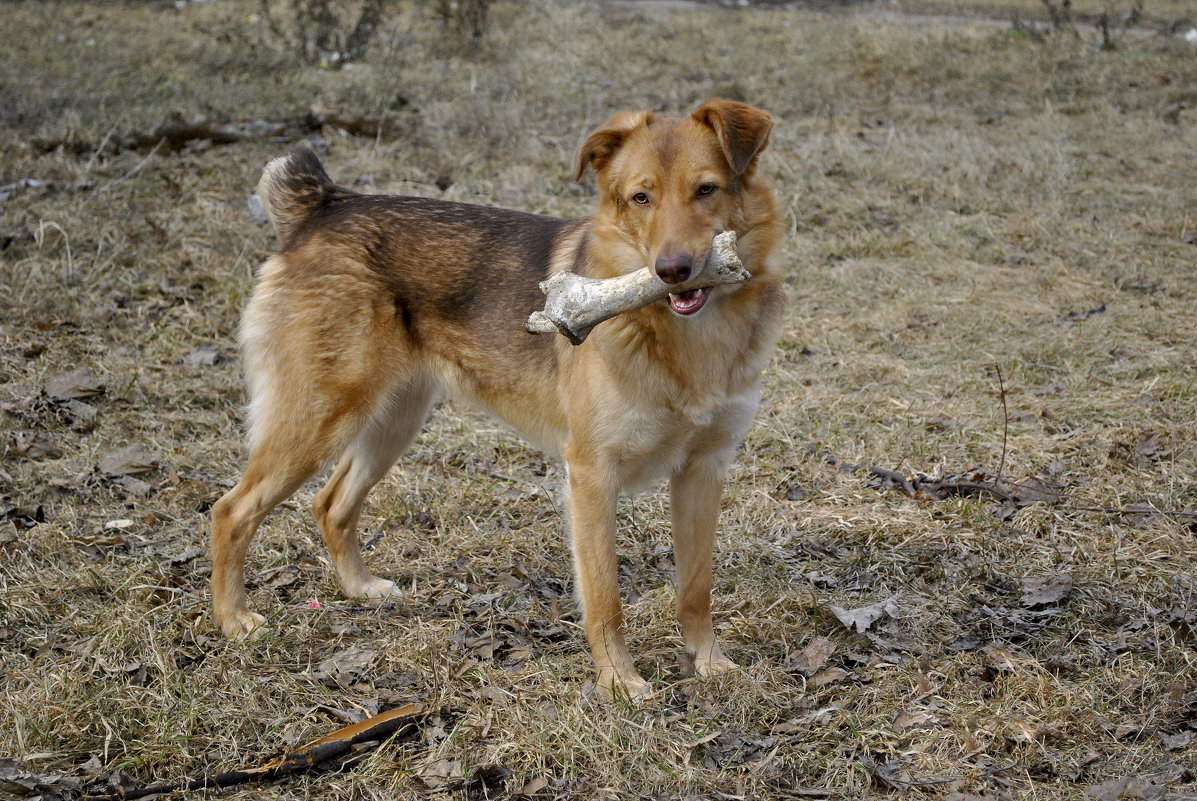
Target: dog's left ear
(604, 143)
(743, 131)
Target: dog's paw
(244, 625)
(377, 589)
(613, 687)
(706, 663)
(705, 668)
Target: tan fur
(375, 306)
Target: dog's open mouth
(689, 302)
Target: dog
(375, 306)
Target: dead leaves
(121, 467)
(1045, 591)
(59, 406)
(811, 659)
(74, 385)
(127, 461)
(862, 619)
(1145, 450)
(1128, 788)
(18, 781)
(483, 781)
(36, 446)
(345, 667)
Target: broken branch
(575, 304)
(402, 720)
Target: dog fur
(375, 306)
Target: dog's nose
(673, 269)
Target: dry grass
(959, 199)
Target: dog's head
(668, 185)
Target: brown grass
(959, 198)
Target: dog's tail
(292, 187)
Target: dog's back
(378, 288)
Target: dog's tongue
(688, 302)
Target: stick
(575, 304)
(383, 725)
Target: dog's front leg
(593, 493)
(694, 499)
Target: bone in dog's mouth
(689, 302)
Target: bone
(574, 304)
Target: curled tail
(292, 187)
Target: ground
(992, 230)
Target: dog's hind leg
(367, 459)
(300, 420)
(276, 469)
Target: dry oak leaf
(442, 773)
(1045, 590)
(36, 445)
(345, 666)
(75, 384)
(813, 657)
(127, 461)
(862, 619)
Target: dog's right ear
(601, 145)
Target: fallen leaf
(83, 415)
(134, 486)
(203, 356)
(8, 532)
(829, 676)
(1150, 447)
(1128, 728)
(78, 383)
(345, 666)
(535, 786)
(795, 492)
(1044, 591)
(998, 659)
(1172, 742)
(1129, 787)
(904, 721)
(36, 446)
(482, 646)
(813, 657)
(862, 619)
(130, 460)
(442, 773)
(26, 516)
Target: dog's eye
(706, 189)
(640, 199)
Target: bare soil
(957, 552)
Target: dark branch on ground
(314, 755)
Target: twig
(313, 755)
(1004, 491)
(1005, 421)
(175, 136)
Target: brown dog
(375, 305)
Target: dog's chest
(658, 443)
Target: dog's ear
(743, 131)
(601, 145)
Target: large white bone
(575, 304)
